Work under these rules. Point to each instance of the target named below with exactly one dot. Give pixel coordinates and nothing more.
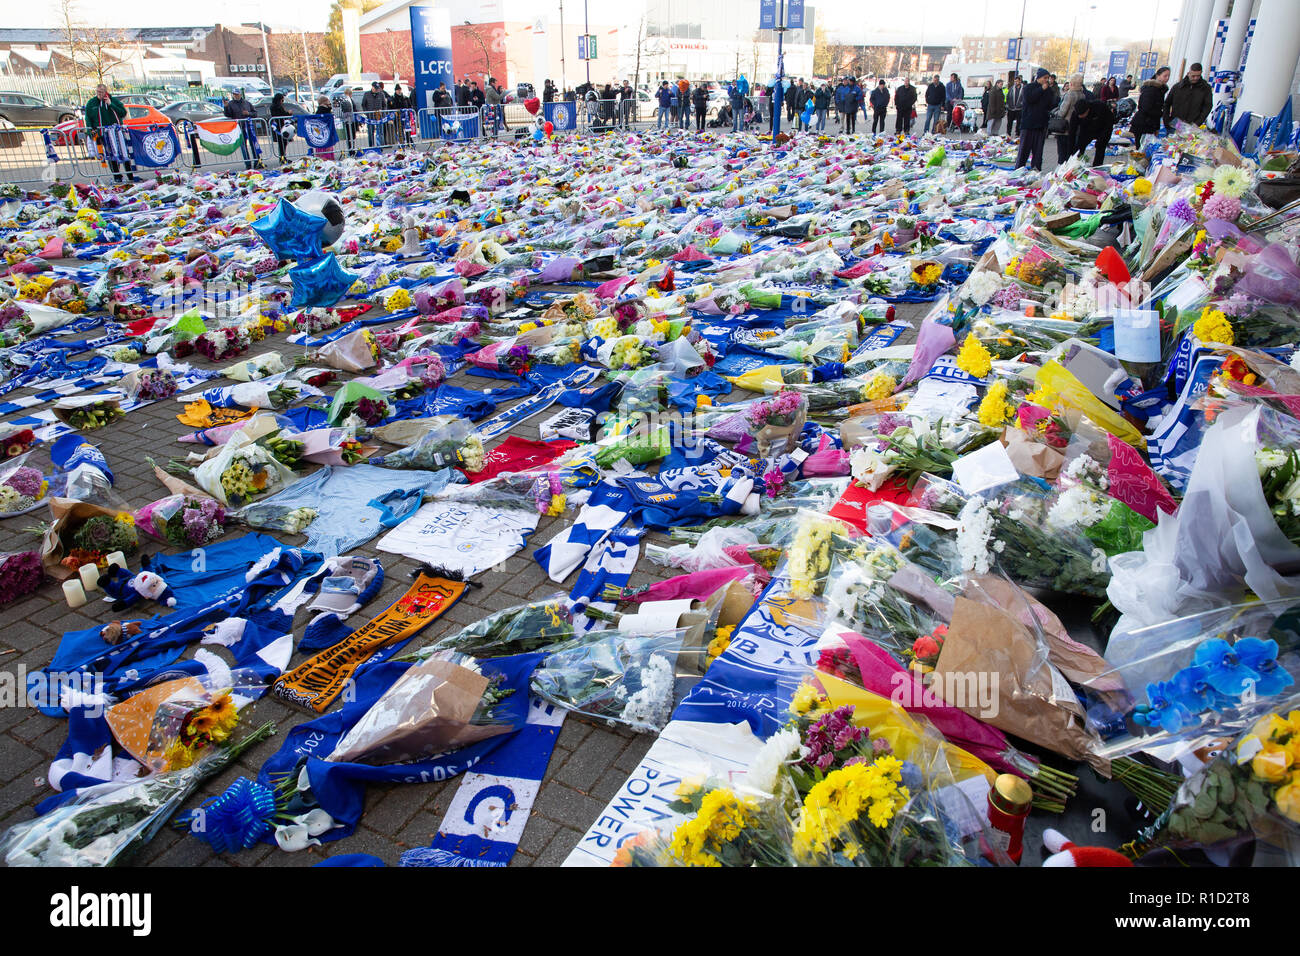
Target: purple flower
(1181, 209)
(25, 481)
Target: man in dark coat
(1095, 119)
(1015, 103)
(1033, 120)
(935, 97)
(879, 104)
(1189, 99)
(905, 105)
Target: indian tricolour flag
(220, 136)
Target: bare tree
(390, 53)
(481, 42)
(288, 58)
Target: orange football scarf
(318, 680)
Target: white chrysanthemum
(651, 706)
(766, 764)
(975, 527)
(981, 286)
(1266, 459)
(1077, 506)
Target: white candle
(89, 577)
(73, 592)
(118, 558)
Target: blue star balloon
(291, 233)
(320, 284)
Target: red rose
(925, 646)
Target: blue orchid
(1261, 656)
(1191, 688)
(1166, 710)
(1226, 671)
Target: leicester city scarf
(318, 680)
(535, 404)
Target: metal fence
(71, 151)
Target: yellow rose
(1271, 763)
(1288, 800)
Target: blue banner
(1118, 63)
(431, 50)
(154, 146)
(561, 116)
(1013, 48)
(317, 132)
(794, 14)
(458, 125)
(767, 15)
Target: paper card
(1137, 335)
(986, 467)
(1189, 293)
(654, 617)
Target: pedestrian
(104, 116)
(935, 97)
(674, 104)
(684, 102)
(1189, 99)
(1033, 123)
(1015, 102)
(281, 127)
(1109, 92)
(1062, 124)
(665, 99)
(1150, 108)
(241, 111)
(1126, 86)
(323, 109)
(879, 105)
(373, 105)
(492, 102)
(548, 92)
(627, 102)
(822, 103)
(347, 115)
(792, 102)
(401, 103)
(1095, 120)
(762, 105)
(477, 99)
(904, 107)
(984, 104)
(954, 93)
(441, 97)
(700, 104)
(997, 109)
(851, 96)
(737, 100)
(462, 92)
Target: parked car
(192, 110)
(142, 114)
(23, 110)
(146, 99)
(264, 109)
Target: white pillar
(1273, 55)
(1218, 12)
(1200, 18)
(1236, 37)
(1180, 36)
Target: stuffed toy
(114, 631)
(127, 589)
(1065, 853)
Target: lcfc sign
(431, 52)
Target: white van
(334, 85)
(973, 76)
(249, 84)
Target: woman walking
(1063, 124)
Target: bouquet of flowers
(775, 423)
(221, 343)
(620, 678)
(105, 824)
(450, 445)
(20, 574)
(515, 630)
(277, 518)
(16, 442)
(183, 520)
(626, 352)
(859, 593)
(21, 488)
(102, 534)
(87, 412)
(313, 322)
(1010, 529)
(917, 448)
(1251, 788)
(809, 553)
(241, 471)
(725, 828)
(150, 385)
(168, 726)
(250, 370)
(444, 702)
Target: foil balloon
(538, 136)
(532, 104)
(323, 204)
(291, 233)
(319, 284)
(548, 127)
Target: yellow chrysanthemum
(994, 409)
(1213, 326)
(974, 358)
